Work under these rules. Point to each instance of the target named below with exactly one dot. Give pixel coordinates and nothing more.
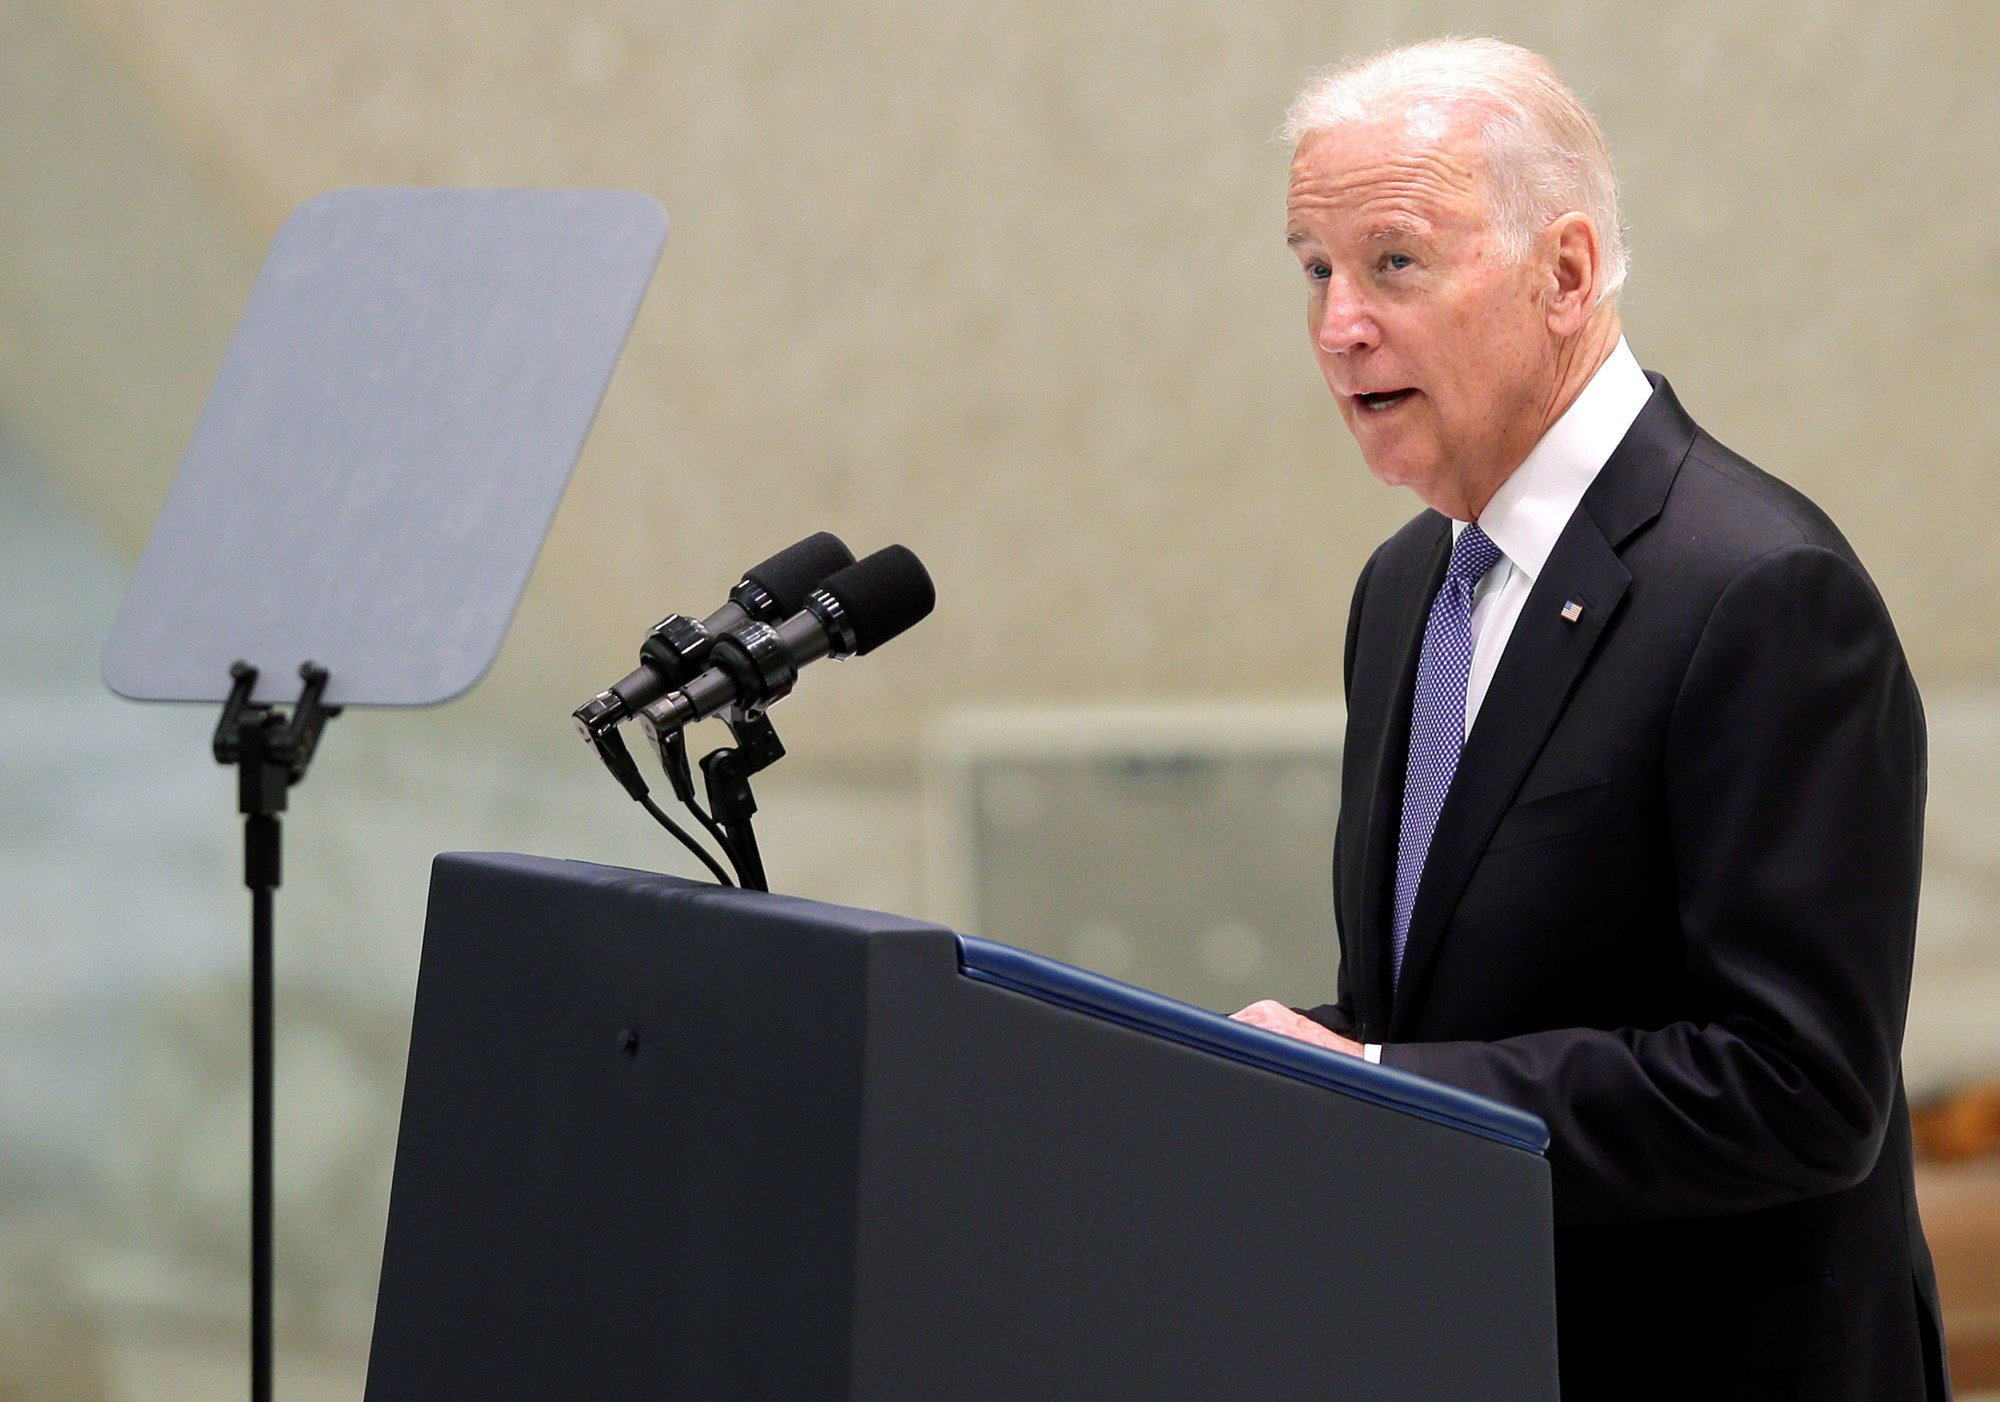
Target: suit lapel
(1538, 670)
(1541, 663)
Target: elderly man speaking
(1633, 787)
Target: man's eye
(1318, 272)
(1397, 262)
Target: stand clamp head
(271, 751)
(300, 739)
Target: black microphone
(677, 647)
(849, 615)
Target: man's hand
(1274, 1016)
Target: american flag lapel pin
(1572, 611)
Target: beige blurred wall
(1006, 282)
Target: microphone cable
(687, 840)
(674, 760)
(610, 747)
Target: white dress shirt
(1529, 511)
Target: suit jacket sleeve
(1338, 1016)
(1793, 791)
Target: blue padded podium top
(1176, 1021)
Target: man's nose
(1345, 324)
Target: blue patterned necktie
(1437, 721)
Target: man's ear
(1575, 269)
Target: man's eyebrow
(1396, 231)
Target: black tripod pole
(270, 754)
(260, 874)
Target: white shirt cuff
(1372, 1051)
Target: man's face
(1435, 342)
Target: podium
(667, 1140)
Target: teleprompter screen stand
(271, 753)
(676, 1141)
(366, 491)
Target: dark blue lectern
(663, 1140)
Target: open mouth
(1381, 401)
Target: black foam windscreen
(883, 594)
(797, 570)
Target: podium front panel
(669, 1140)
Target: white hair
(1545, 156)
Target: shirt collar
(1527, 514)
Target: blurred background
(1005, 283)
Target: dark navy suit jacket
(1670, 908)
